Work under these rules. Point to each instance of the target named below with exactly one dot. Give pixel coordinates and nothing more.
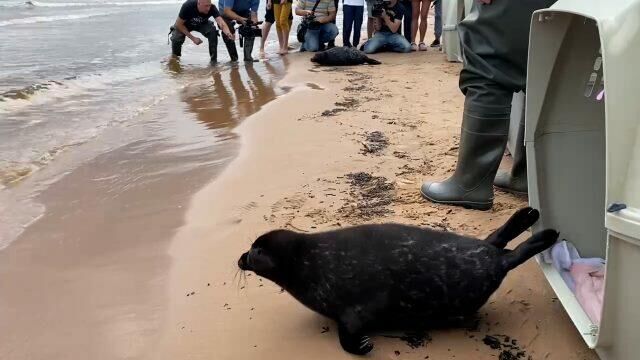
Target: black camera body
(311, 22)
(249, 30)
(379, 5)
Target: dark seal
(392, 276)
(341, 56)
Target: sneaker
(422, 47)
(435, 43)
(414, 47)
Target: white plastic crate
(583, 154)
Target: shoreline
(352, 148)
(94, 265)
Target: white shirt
(353, 2)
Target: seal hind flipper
(516, 225)
(538, 242)
(371, 61)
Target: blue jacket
(239, 5)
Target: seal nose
(242, 262)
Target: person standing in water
(270, 19)
(194, 16)
(241, 12)
(282, 12)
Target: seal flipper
(538, 242)
(352, 339)
(516, 225)
(371, 61)
(353, 342)
(355, 319)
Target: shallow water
(83, 78)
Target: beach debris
(374, 143)
(372, 195)
(508, 346)
(414, 340)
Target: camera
(249, 30)
(379, 5)
(310, 22)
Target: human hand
(269, 5)
(230, 35)
(196, 40)
(308, 12)
(384, 15)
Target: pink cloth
(589, 282)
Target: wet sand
(350, 148)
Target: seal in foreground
(391, 276)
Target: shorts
(271, 18)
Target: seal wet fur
(339, 56)
(392, 276)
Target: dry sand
(391, 127)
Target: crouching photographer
(388, 18)
(248, 32)
(316, 28)
(245, 13)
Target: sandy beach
(345, 146)
(129, 187)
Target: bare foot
(282, 51)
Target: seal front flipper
(352, 339)
(371, 61)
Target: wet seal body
(342, 56)
(391, 276)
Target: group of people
(385, 30)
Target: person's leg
(347, 24)
(376, 43)
(415, 16)
(437, 26)
(277, 11)
(515, 180)
(289, 47)
(398, 43)
(424, 12)
(269, 19)
(284, 25)
(332, 42)
(406, 22)
(231, 44)
(495, 43)
(211, 33)
(328, 32)
(247, 47)
(358, 16)
(177, 39)
(312, 40)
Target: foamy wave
(42, 19)
(98, 3)
(46, 92)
